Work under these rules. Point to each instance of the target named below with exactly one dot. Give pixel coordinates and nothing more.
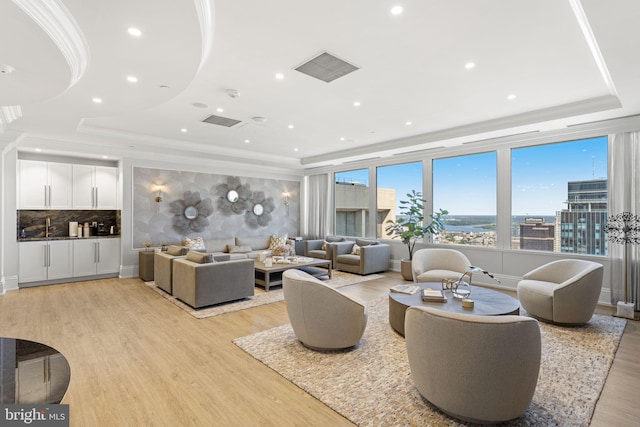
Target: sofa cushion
(349, 259)
(365, 242)
(196, 244)
(199, 257)
(277, 241)
(233, 249)
(219, 245)
(257, 243)
(177, 250)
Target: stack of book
(433, 295)
(405, 289)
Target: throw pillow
(199, 257)
(355, 250)
(177, 250)
(233, 249)
(277, 241)
(365, 242)
(196, 244)
(284, 250)
(324, 245)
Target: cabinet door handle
(49, 196)
(95, 189)
(45, 196)
(44, 255)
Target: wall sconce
(158, 190)
(286, 198)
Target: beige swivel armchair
(482, 369)
(563, 292)
(435, 264)
(322, 317)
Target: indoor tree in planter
(411, 226)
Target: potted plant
(411, 226)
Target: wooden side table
(145, 265)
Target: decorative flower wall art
(234, 196)
(190, 213)
(259, 214)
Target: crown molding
(591, 105)
(56, 21)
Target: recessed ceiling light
(200, 105)
(290, 126)
(135, 32)
(220, 110)
(132, 79)
(342, 138)
(105, 157)
(183, 130)
(38, 150)
(397, 10)
(97, 100)
(470, 65)
(246, 141)
(295, 149)
(511, 97)
(408, 123)
(279, 76)
(356, 104)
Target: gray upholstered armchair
(320, 248)
(322, 317)
(361, 257)
(435, 264)
(565, 291)
(200, 281)
(482, 369)
(163, 266)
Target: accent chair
(481, 369)
(322, 317)
(436, 264)
(565, 291)
(361, 257)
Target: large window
(466, 187)
(394, 182)
(559, 197)
(352, 203)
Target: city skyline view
(466, 185)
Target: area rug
(371, 385)
(261, 297)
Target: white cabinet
(96, 256)
(45, 260)
(95, 187)
(43, 185)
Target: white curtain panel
(624, 188)
(320, 213)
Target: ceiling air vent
(221, 121)
(326, 67)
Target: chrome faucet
(47, 224)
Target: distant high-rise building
(582, 224)
(537, 235)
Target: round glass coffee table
(487, 302)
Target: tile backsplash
(33, 221)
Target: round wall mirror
(232, 196)
(191, 212)
(258, 209)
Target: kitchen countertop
(38, 239)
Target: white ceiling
(567, 62)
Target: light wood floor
(137, 360)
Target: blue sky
(465, 185)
